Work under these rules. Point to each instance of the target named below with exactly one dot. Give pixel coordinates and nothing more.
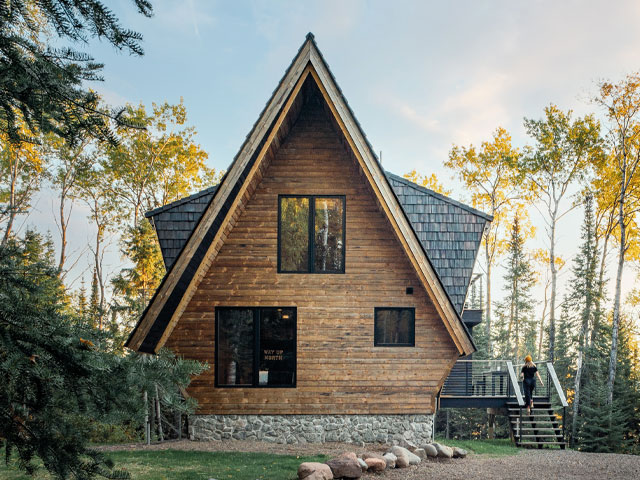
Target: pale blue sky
(420, 76)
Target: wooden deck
(492, 384)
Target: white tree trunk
(616, 300)
(552, 300)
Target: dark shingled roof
(449, 230)
(175, 222)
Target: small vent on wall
(409, 290)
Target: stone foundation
(389, 429)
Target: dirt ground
(528, 465)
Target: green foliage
(42, 85)
(493, 448)
(468, 424)
(60, 375)
(515, 332)
(155, 166)
(22, 171)
(47, 363)
(134, 286)
(187, 465)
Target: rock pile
(350, 466)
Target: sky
(420, 76)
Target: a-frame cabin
(325, 293)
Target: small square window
(394, 327)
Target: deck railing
(493, 379)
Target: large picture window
(311, 234)
(255, 347)
(394, 327)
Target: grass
(189, 465)
(494, 448)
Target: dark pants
(529, 384)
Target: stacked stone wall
(388, 429)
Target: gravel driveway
(528, 465)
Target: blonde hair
(528, 361)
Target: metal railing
(561, 397)
(493, 379)
(477, 378)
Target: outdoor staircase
(539, 429)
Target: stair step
(537, 422)
(541, 435)
(536, 414)
(541, 443)
(524, 409)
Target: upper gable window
(311, 233)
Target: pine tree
(516, 331)
(83, 308)
(45, 86)
(600, 425)
(95, 313)
(61, 377)
(583, 299)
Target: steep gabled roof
(449, 231)
(187, 270)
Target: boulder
(459, 452)
(363, 465)
(390, 458)
(376, 464)
(419, 452)
(345, 466)
(443, 451)
(414, 459)
(366, 455)
(402, 456)
(408, 444)
(430, 450)
(314, 471)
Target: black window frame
(311, 234)
(256, 347)
(412, 330)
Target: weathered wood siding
(339, 371)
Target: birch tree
(22, 170)
(563, 152)
(68, 164)
(94, 189)
(155, 166)
(621, 103)
(489, 174)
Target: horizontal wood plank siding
(339, 371)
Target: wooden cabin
(325, 293)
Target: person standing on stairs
(528, 374)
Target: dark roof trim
(437, 195)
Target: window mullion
(256, 347)
(312, 224)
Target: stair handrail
(556, 383)
(514, 383)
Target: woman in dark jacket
(528, 375)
